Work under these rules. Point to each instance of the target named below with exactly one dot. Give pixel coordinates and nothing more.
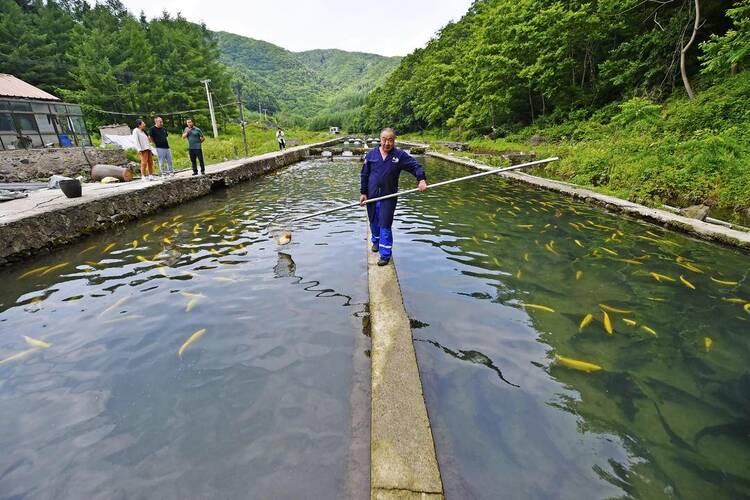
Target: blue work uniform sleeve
(412, 166)
(364, 177)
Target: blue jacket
(380, 177)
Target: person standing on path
(144, 150)
(379, 177)
(195, 137)
(280, 139)
(158, 135)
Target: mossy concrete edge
(46, 220)
(403, 463)
(703, 230)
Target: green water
(258, 406)
(668, 414)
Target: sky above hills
(386, 27)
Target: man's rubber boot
(375, 248)
(383, 262)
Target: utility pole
(259, 111)
(211, 108)
(238, 89)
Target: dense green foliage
(327, 86)
(681, 153)
(104, 58)
(506, 65)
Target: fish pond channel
(651, 395)
(186, 355)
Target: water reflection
(475, 357)
(260, 403)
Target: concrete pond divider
(699, 229)
(47, 219)
(403, 462)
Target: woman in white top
(143, 146)
(280, 139)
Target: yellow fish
(607, 323)
(585, 322)
(734, 300)
(194, 299)
(656, 299)
(127, 317)
(18, 355)
(526, 257)
(550, 247)
(746, 307)
(691, 267)
(579, 275)
(630, 261)
(537, 306)
(54, 268)
(611, 309)
(519, 274)
(525, 226)
(86, 250)
(661, 277)
(40, 344)
(648, 329)
(145, 237)
(579, 243)
(210, 228)
(113, 306)
(190, 341)
(715, 280)
(611, 252)
(109, 247)
(166, 241)
(630, 322)
(575, 364)
(708, 342)
(135, 243)
(142, 258)
(176, 218)
(687, 283)
(497, 262)
(34, 271)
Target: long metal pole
(430, 186)
(211, 108)
(238, 88)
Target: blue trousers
(381, 236)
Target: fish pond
(188, 356)
(569, 353)
(564, 352)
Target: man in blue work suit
(379, 177)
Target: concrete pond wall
(27, 165)
(694, 227)
(47, 219)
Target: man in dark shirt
(379, 177)
(158, 137)
(195, 137)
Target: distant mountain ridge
(305, 84)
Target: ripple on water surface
(650, 396)
(256, 405)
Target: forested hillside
(599, 83)
(318, 84)
(107, 59)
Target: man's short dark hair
(388, 129)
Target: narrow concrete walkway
(694, 227)
(403, 462)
